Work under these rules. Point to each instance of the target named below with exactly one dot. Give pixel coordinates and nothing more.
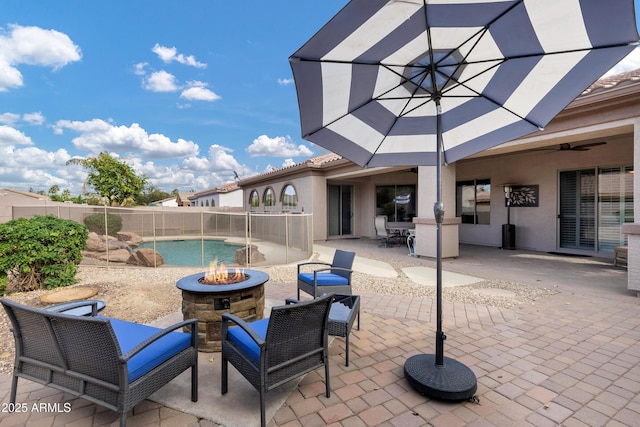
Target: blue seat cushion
(131, 334)
(239, 337)
(324, 279)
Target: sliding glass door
(593, 206)
(340, 210)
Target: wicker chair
(273, 351)
(110, 362)
(334, 277)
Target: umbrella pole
(438, 212)
(437, 376)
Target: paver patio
(570, 359)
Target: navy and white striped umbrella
(422, 82)
(369, 80)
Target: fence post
(286, 237)
(202, 235)
(247, 239)
(153, 225)
(106, 232)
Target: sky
(187, 92)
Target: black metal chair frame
(80, 355)
(296, 343)
(341, 265)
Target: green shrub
(41, 252)
(95, 223)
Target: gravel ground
(116, 285)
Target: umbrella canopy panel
(369, 80)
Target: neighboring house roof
(160, 202)
(10, 196)
(610, 82)
(183, 198)
(224, 188)
(316, 162)
(185, 195)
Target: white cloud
(42, 165)
(9, 118)
(169, 54)
(198, 91)
(11, 137)
(222, 160)
(629, 63)
(160, 81)
(32, 46)
(140, 69)
(287, 163)
(33, 118)
(97, 135)
(219, 161)
(285, 82)
(279, 146)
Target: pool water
(188, 253)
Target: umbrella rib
(395, 120)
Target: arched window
(269, 199)
(254, 200)
(289, 198)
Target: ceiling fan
(568, 147)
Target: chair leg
(14, 388)
(347, 350)
(326, 375)
(123, 419)
(263, 416)
(224, 374)
(194, 383)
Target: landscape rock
(255, 256)
(97, 243)
(117, 255)
(146, 257)
(129, 237)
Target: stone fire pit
(207, 302)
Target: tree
(112, 179)
(152, 194)
(53, 191)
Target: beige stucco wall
(536, 227)
(318, 206)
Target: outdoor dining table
(400, 229)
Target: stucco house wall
(536, 227)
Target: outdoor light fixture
(507, 192)
(508, 230)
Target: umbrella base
(451, 381)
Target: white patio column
(633, 230)
(425, 221)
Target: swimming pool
(188, 253)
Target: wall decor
(524, 196)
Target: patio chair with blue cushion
(334, 277)
(110, 362)
(273, 351)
